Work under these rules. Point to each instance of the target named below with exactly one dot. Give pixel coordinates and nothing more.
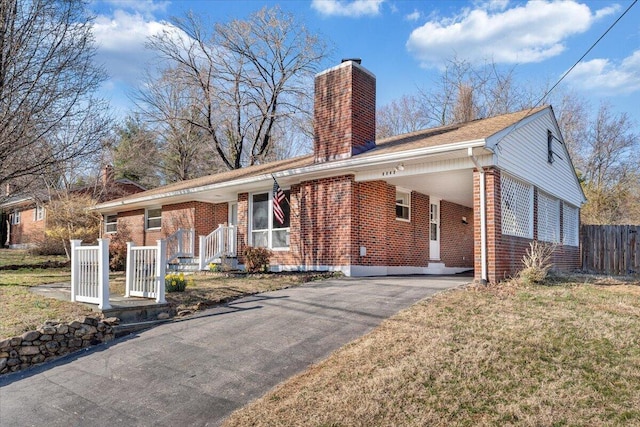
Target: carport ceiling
(455, 186)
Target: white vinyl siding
(517, 207)
(548, 218)
(570, 225)
(523, 153)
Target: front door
(434, 229)
(233, 213)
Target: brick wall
(201, 216)
(456, 238)
(344, 112)
(29, 231)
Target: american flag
(278, 198)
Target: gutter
(483, 217)
(323, 168)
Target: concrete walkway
(197, 371)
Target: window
(154, 218)
(266, 231)
(403, 205)
(15, 218)
(517, 207)
(434, 221)
(38, 213)
(548, 218)
(111, 223)
(570, 224)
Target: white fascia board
(495, 139)
(319, 170)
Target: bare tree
(403, 115)
(243, 78)
(48, 115)
(610, 159)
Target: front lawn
(22, 257)
(567, 354)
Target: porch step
(137, 313)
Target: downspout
(483, 217)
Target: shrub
(176, 282)
(256, 259)
(537, 263)
(47, 246)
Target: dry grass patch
(21, 311)
(545, 355)
(23, 257)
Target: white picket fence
(90, 273)
(145, 271)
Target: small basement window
(403, 205)
(111, 223)
(154, 218)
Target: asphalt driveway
(198, 370)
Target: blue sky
(406, 43)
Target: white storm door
(434, 229)
(233, 213)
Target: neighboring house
(443, 200)
(25, 220)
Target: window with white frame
(403, 205)
(15, 217)
(548, 218)
(517, 207)
(153, 218)
(266, 230)
(570, 225)
(38, 213)
(111, 223)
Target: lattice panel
(517, 207)
(548, 218)
(570, 224)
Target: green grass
(567, 354)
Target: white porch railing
(220, 243)
(180, 244)
(90, 273)
(146, 267)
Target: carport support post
(483, 217)
(161, 266)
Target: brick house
(443, 200)
(24, 218)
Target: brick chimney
(344, 111)
(107, 175)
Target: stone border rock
(52, 340)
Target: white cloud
(353, 9)
(120, 41)
(532, 32)
(413, 16)
(606, 77)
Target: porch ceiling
(454, 186)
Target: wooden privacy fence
(611, 249)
